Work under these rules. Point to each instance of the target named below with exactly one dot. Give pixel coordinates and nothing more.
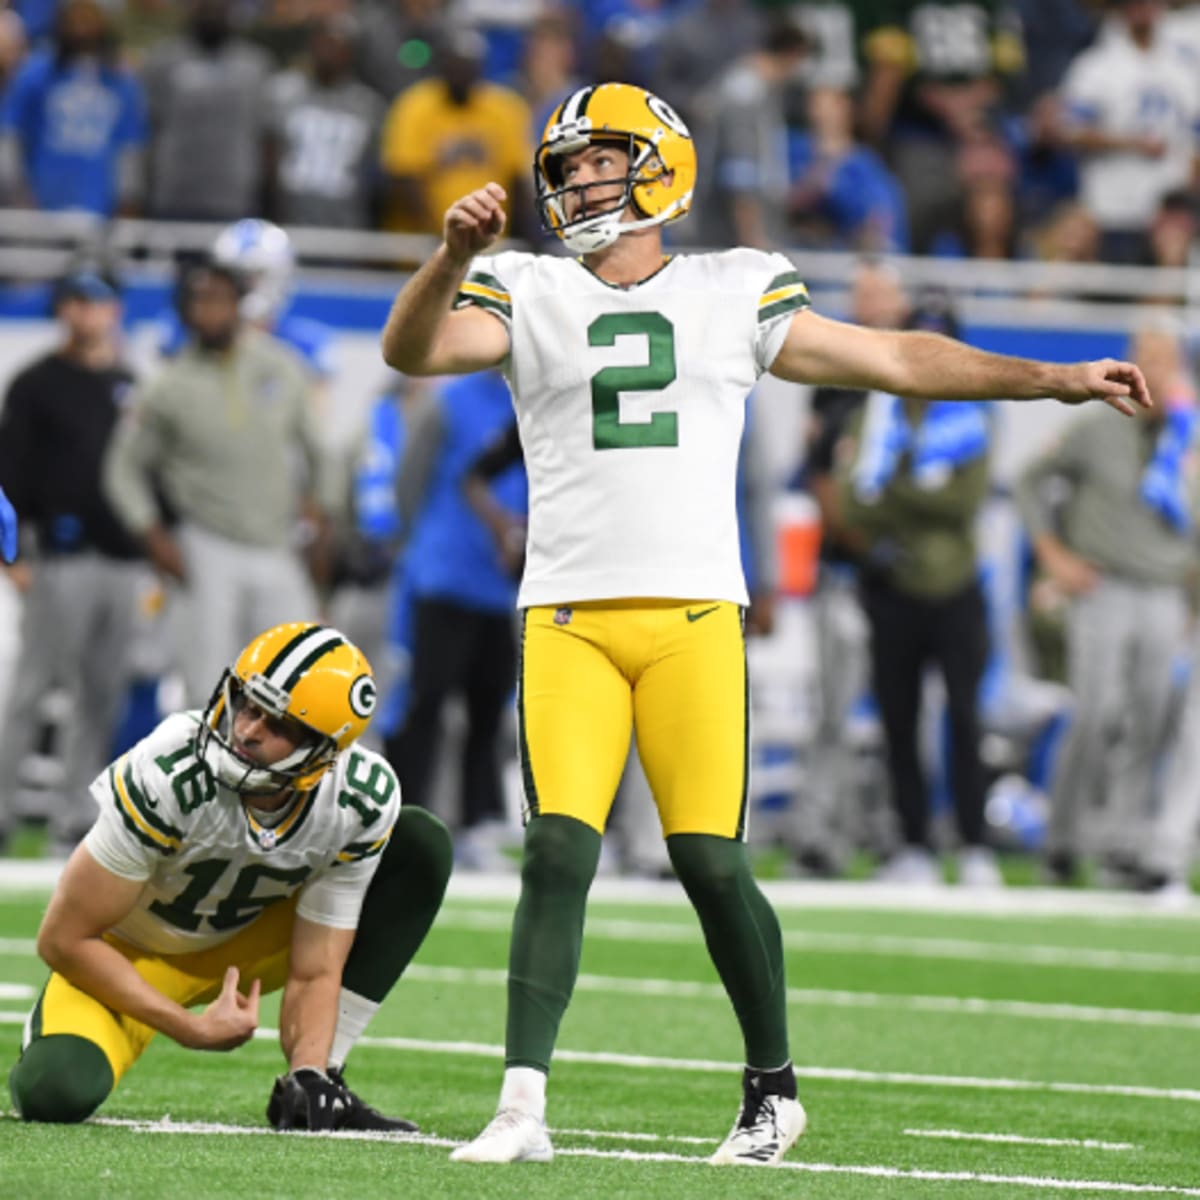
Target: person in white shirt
(1131, 109)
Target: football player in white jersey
(629, 370)
(237, 850)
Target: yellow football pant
(260, 951)
(672, 671)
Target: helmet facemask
(299, 771)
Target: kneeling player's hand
(229, 1020)
(306, 1099)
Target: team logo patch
(363, 695)
(562, 616)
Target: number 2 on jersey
(609, 432)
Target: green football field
(1033, 1044)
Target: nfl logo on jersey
(562, 616)
(267, 839)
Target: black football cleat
(361, 1117)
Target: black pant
(907, 635)
(456, 649)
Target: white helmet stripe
(575, 106)
(311, 646)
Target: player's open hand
(1119, 384)
(230, 1019)
(475, 222)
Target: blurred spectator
(221, 428)
(505, 26)
(74, 121)
(206, 92)
(368, 545)
(741, 143)
(878, 301)
(324, 135)
(464, 597)
(699, 44)
(1054, 33)
(80, 571)
(1173, 230)
(935, 77)
(262, 255)
(547, 75)
(987, 225)
(842, 195)
(1132, 103)
(1119, 545)
(836, 29)
(397, 44)
(1069, 235)
(912, 478)
(452, 133)
(1048, 172)
(13, 45)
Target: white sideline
(24, 875)
(871, 1171)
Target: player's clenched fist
(473, 223)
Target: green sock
(401, 903)
(743, 939)
(62, 1078)
(559, 864)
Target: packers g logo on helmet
(303, 673)
(662, 163)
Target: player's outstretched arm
(89, 900)
(819, 350)
(424, 335)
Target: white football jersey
(210, 866)
(631, 403)
(1120, 89)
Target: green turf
(930, 1070)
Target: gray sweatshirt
(1101, 457)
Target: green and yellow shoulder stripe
(357, 851)
(785, 293)
(139, 811)
(486, 291)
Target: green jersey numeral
(609, 432)
(368, 788)
(239, 907)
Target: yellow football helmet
(306, 675)
(662, 162)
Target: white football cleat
(766, 1129)
(512, 1135)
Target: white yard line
(821, 998)
(17, 991)
(870, 1171)
(682, 989)
(861, 944)
(1016, 1139)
